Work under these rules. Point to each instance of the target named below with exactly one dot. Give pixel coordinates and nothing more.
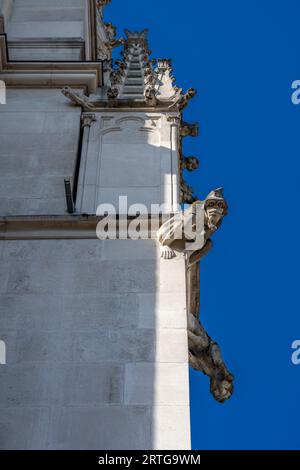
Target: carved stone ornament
(205, 356)
(186, 193)
(172, 232)
(112, 93)
(87, 119)
(78, 98)
(150, 96)
(190, 163)
(189, 130)
(184, 98)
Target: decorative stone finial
(136, 38)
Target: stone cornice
(85, 75)
(47, 227)
(77, 226)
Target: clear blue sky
(242, 57)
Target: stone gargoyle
(176, 235)
(181, 99)
(78, 98)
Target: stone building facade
(96, 331)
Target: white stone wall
(129, 153)
(96, 346)
(39, 134)
(95, 332)
(44, 20)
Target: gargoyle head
(215, 209)
(191, 93)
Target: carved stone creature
(183, 99)
(187, 129)
(150, 95)
(78, 98)
(215, 209)
(112, 93)
(204, 353)
(205, 356)
(173, 232)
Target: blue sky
(242, 57)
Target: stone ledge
(40, 227)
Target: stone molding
(77, 226)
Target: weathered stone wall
(96, 346)
(59, 21)
(39, 135)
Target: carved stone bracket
(189, 130)
(174, 119)
(87, 119)
(205, 356)
(204, 353)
